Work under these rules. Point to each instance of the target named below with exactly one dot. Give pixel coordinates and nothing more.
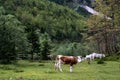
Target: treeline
(32, 26)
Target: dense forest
(33, 29)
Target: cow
(70, 60)
(99, 55)
(92, 56)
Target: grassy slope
(45, 71)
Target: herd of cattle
(71, 60)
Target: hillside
(81, 6)
(58, 21)
(44, 26)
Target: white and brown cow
(71, 60)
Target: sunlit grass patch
(49, 71)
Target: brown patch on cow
(69, 60)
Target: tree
(33, 39)
(104, 28)
(45, 48)
(12, 37)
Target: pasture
(26, 70)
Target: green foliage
(104, 28)
(2, 10)
(112, 58)
(58, 21)
(62, 2)
(12, 37)
(84, 12)
(40, 16)
(45, 48)
(100, 61)
(74, 4)
(74, 49)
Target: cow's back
(69, 60)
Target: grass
(26, 70)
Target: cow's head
(79, 58)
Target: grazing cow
(95, 55)
(89, 58)
(92, 56)
(71, 60)
(99, 55)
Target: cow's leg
(59, 65)
(100, 56)
(71, 69)
(56, 66)
(89, 60)
(92, 58)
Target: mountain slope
(84, 7)
(59, 22)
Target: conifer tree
(12, 37)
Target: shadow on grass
(41, 64)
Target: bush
(100, 61)
(112, 58)
(72, 48)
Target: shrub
(100, 61)
(112, 58)
(72, 48)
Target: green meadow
(26, 70)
